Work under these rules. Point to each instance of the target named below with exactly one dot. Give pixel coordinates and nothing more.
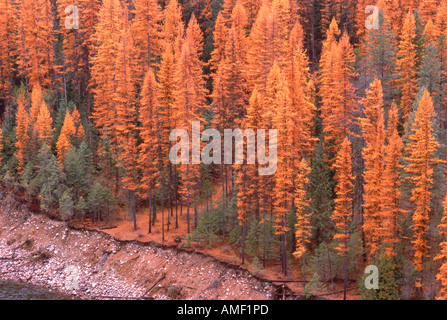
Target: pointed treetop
(333, 30)
(431, 31)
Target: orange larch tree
(303, 226)
(281, 26)
(278, 99)
(360, 19)
(420, 156)
(77, 43)
(219, 37)
(146, 34)
(172, 32)
(173, 29)
(390, 187)
(43, 126)
(239, 21)
(36, 61)
(72, 133)
(168, 121)
(395, 11)
(63, 144)
(260, 50)
(330, 11)
(406, 66)
(373, 131)
(36, 101)
(105, 42)
(112, 20)
(431, 32)
(252, 7)
(149, 133)
(22, 133)
(190, 102)
(251, 193)
(302, 95)
(232, 68)
(442, 256)
(7, 22)
(343, 210)
(327, 63)
(441, 16)
(337, 91)
(79, 133)
(227, 9)
(427, 9)
(229, 93)
(124, 99)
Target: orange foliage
(390, 186)
(43, 126)
(336, 90)
(442, 256)
(149, 118)
(146, 34)
(373, 131)
(110, 19)
(22, 133)
(125, 110)
(303, 226)
(260, 50)
(77, 43)
(406, 66)
(79, 128)
(342, 215)
(420, 155)
(63, 143)
(36, 60)
(190, 101)
(7, 22)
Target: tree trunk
(133, 208)
(150, 212)
(223, 184)
(162, 215)
(345, 271)
(154, 209)
(265, 231)
(243, 241)
(196, 216)
(188, 204)
(304, 271)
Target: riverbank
(89, 264)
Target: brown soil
(123, 229)
(112, 268)
(142, 259)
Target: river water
(11, 290)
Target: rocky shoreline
(53, 276)
(58, 273)
(92, 265)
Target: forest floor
(123, 229)
(37, 249)
(125, 263)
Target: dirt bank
(94, 265)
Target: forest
(90, 91)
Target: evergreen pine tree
(321, 195)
